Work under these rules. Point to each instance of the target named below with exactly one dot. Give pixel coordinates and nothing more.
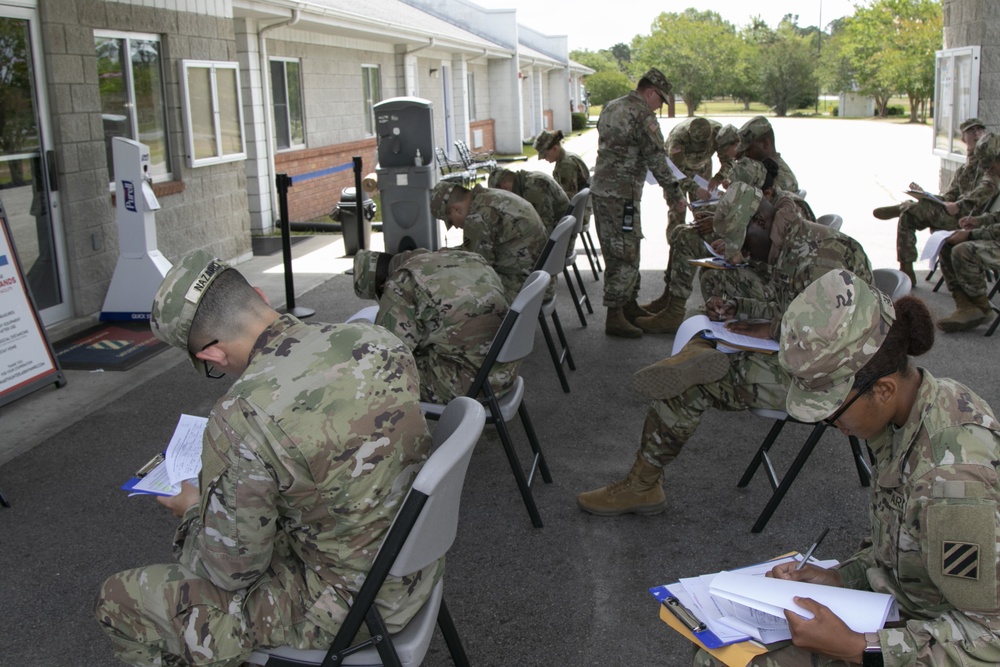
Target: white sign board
(26, 359)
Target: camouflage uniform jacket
(507, 232)
(988, 229)
(691, 156)
(935, 530)
(630, 142)
(571, 173)
(807, 251)
(305, 462)
(544, 194)
(785, 180)
(967, 177)
(446, 306)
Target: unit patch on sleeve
(960, 559)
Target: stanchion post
(359, 202)
(283, 182)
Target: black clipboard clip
(684, 615)
(148, 468)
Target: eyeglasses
(830, 421)
(210, 370)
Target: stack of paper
(700, 325)
(181, 461)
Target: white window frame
(367, 97)
(130, 94)
(184, 66)
(956, 98)
(291, 146)
(471, 85)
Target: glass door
(27, 188)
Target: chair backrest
(463, 152)
(892, 282)
(553, 257)
(578, 206)
(440, 481)
(831, 220)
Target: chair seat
(549, 306)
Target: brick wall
(489, 136)
(316, 197)
(547, 119)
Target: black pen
(812, 549)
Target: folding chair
(996, 320)
(577, 208)
(422, 532)
(513, 341)
(553, 261)
(588, 246)
(895, 284)
(472, 160)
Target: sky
(600, 24)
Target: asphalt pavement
(574, 592)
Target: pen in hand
(811, 550)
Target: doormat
(112, 346)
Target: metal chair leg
(762, 457)
(592, 256)
(789, 477)
(451, 638)
(864, 470)
(515, 463)
(556, 357)
(539, 461)
(583, 289)
(576, 299)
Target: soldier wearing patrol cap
(700, 377)
(538, 189)
(299, 479)
(568, 169)
(970, 190)
(935, 489)
(757, 143)
(498, 225)
(446, 306)
(629, 143)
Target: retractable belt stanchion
(283, 181)
(359, 200)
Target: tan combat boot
(969, 313)
(659, 303)
(664, 322)
(907, 268)
(617, 325)
(639, 493)
(886, 212)
(634, 311)
(697, 363)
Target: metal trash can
(346, 213)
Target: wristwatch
(872, 657)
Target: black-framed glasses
(210, 370)
(863, 389)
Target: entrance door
(27, 188)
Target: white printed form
(183, 456)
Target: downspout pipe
(265, 87)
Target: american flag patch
(960, 559)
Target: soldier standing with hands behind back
(629, 143)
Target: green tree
(696, 50)
(623, 56)
(787, 69)
(599, 61)
(608, 85)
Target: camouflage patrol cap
(658, 81)
(546, 140)
(756, 127)
(988, 147)
(748, 171)
(497, 177)
(970, 123)
(179, 296)
(440, 195)
(727, 136)
(829, 333)
(732, 216)
(700, 130)
(366, 273)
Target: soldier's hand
(961, 236)
(970, 222)
(714, 184)
(703, 224)
(753, 329)
(824, 633)
(810, 574)
(679, 207)
(952, 208)
(719, 309)
(183, 501)
(701, 193)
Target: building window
(956, 97)
(213, 111)
(286, 94)
(472, 95)
(371, 76)
(130, 80)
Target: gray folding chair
(831, 220)
(553, 261)
(895, 286)
(514, 341)
(577, 208)
(422, 532)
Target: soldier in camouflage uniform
(300, 480)
(498, 225)
(568, 169)
(537, 188)
(967, 193)
(934, 522)
(757, 143)
(700, 377)
(446, 306)
(629, 143)
(690, 145)
(970, 251)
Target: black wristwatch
(872, 657)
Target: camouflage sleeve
(397, 310)
(854, 570)
(228, 537)
(476, 238)
(988, 229)
(976, 199)
(954, 191)
(653, 151)
(725, 168)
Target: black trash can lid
(348, 195)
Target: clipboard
(706, 637)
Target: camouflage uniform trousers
(919, 215)
(788, 656)
(685, 243)
(727, 283)
(164, 615)
(754, 380)
(620, 250)
(964, 265)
